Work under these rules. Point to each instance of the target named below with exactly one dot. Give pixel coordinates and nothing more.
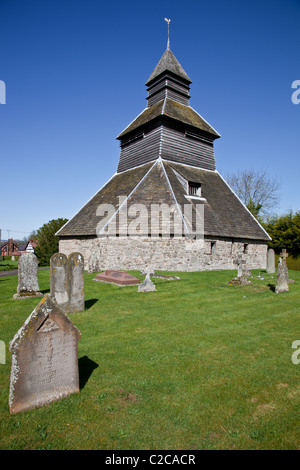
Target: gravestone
(44, 358)
(147, 285)
(2, 352)
(67, 281)
(242, 274)
(246, 271)
(282, 284)
(271, 261)
(94, 262)
(76, 282)
(59, 280)
(119, 278)
(28, 284)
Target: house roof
(157, 183)
(173, 110)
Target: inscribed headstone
(67, 281)
(270, 261)
(44, 358)
(28, 284)
(59, 280)
(76, 282)
(282, 284)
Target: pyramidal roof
(168, 62)
(157, 183)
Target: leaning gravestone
(282, 284)
(271, 261)
(44, 358)
(28, 284)
(147, 285)
(67, 281)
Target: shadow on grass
(89, 303)
(272, 287)
(86, 367)
(45, 291)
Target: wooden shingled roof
(157, 183)
(172, 110)
(168, 62)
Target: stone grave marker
(2, 352)
(242, 274)
(282, 284)
(44, 358)
(59, 280)
(147, 285)
(76, 282)
(28, 284)
(119, 278)
(271, 261)
(67, 281)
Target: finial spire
(168, 43)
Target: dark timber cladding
(168, 128)
(167, 157)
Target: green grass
(8, 265)
(199, 364)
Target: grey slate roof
(224, 215)
(168, 62)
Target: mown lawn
(199, 364)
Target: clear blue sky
(75, 73)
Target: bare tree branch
(258, 190)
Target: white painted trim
(198, 198)
(57, 233)
(244, 206)
(138, 166)
(206, 121)
(189, 166)
(125, 200)
(132, 122)
(177, 205)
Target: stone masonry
(166, 254)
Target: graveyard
(197, 363)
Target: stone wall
(165, 254)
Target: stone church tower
(167, 162)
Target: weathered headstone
(67, 281)
(44, 358)
(2, 352)
(282, 284)
(242, 273)
(271, 261)
(246, 271)
(94, 262)
(59, 280)
(76, 282)
(28, 284)
(147, 285)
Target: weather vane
(168, 21)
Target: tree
(285, 233)
(47, 241)
(258, 190)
